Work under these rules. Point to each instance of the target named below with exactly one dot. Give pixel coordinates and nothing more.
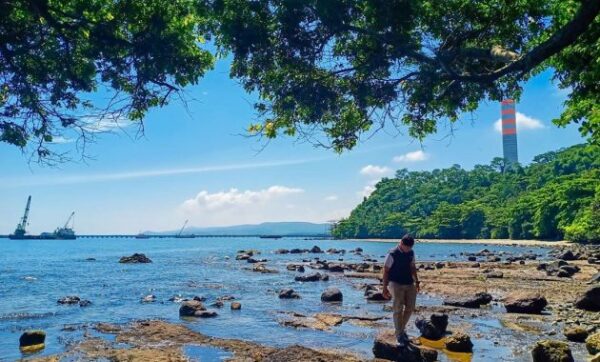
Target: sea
(34, 274)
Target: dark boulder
(32, 338)
(335, 268)
(296, 251)
(440, 321)
(84, 303)
(472, 258)
(567, 255)
(288, 294)
(386, 347)
(551, 351)
(70, 299)
(576, 334)
(316, 250)
(566, 271)
(189, 308)
(590, 300)
(314, 277)
(135, 259)
(332, 294)
(373, 294)
(428, 329)
(254, 261)
(205, 314)
(459, 342)
(475, 301)
(525, 302)
(281, 251)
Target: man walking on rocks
(400, 278)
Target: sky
(195, 162)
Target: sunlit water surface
(34, 274)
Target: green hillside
(557, 196)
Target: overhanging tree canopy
(326, 67)
(342, 66)
(54, 53)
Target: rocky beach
(480, 303)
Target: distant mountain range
(266, 228)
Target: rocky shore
(549, 310)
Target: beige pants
(404, 300)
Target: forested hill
(556, 197)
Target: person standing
(401, 282)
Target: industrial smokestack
(509, 132)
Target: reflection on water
(205, 354)
(440, 345)
(36, 273)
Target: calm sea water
(34, 274)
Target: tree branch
(563, 38)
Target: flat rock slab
(386, 347)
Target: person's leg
(398, 299)
(410, 300)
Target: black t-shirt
(400, 271)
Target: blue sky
(195, 164)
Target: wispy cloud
(414, 156)
(331, 198)
(118, 176)
(524, 122)
(375, 171)
(61, 140)
(106, 123)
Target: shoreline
(506, 242)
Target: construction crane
(69, 220)
(20, 230)
(183, 227)
(66, 232)
(180, 235)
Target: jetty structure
(61, 233)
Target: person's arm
(413, 269)
(386, 279)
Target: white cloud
(414, 156)
(235, 206)
(331, 198)
(60, 140)
(106, 123)
(235, 198)
(524, 123)
(375, 171)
